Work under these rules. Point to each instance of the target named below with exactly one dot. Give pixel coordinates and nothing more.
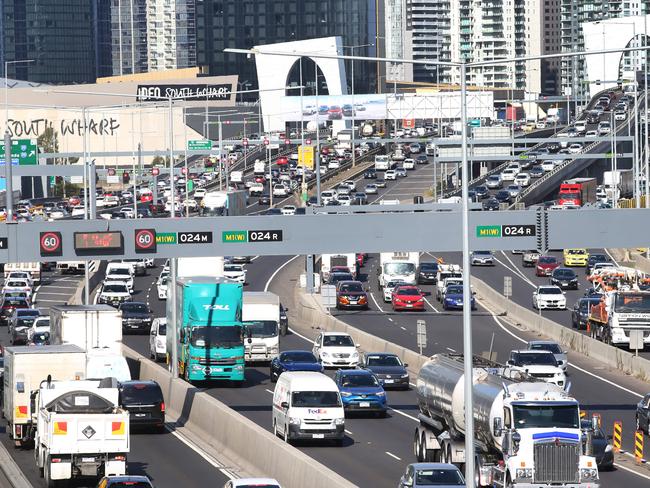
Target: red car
(546, 265)
(407, 297)
(361, 259)
(282, 161)
(335, 113)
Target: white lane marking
(516, 271)
(517, 268)
(390, 320)
(618, 466)
(611, 383)
(300, 335)
(254, 258)
(201, 453)
(612, 258)
(403, 414)
(268, 283)
(376, 302)
(54, 293)
(269, 391)
(37, 288)
(393, 456)
(403, 328)
(348, 432)
(34, 297)
(431, 305)
(451, 350)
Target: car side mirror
(284, 405)
(510, 362)
(183, 335)
(406, 365)
(497, 426)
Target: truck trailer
(87, 326)
(527, 432)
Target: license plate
(353, 302)
(217, 370)
(87, 459)
(133, 326)
(389, 381)
(408, 305)
(318, 436)
(364, 404)
(140, 414)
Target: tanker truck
(527, 432)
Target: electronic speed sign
(51, 244)
(155, 171)
(145, 240)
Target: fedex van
(307, 405)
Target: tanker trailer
(527, 432)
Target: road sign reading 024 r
(519, 230)
(238, 236)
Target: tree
(48, 142)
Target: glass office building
(246, 23)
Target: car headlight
(294, 421)
(355, 355)
(273, 350)
(608, 448)
(524, 473)
(405, 375)
(381, 394)
(325, 354)
(346, 394)
(588, 474)
(339, 421)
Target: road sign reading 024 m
(519, 230)
(238, 236)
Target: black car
(580, 311)
(595, 258)
(565, 278)
(422, 159)
(313, 200)
(136, 317)
(428, 273)
(482, 191)
(370, 174)
(503, 196)
(593, 118)
(602, 449)
(145, 403)
(360, 198)
(491, 204)
(389, 370)
(339, 276)
(294, 361)
(264, 199)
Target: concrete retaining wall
(574, 340)
(232, 435)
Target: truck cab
(261, 318)
(398, 266)
(210, 331)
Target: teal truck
(210, 341)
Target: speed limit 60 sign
(51, 244)
(145, 240)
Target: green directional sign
(488, 231)
(199, 145)
(24, 151)
(165, 237)
(234, 236)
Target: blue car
(361, 391)
(294, 361)
(454, 298)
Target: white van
(307, 405)
(101, 363)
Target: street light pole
(172, 262)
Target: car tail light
(55, 460)
(120, 457)
(162, 406)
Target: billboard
(405, 107)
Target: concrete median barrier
(530, 320)
(234, 437)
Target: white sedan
(288, 210)
(509, 174)
(409, 163)
(548, 165)
(235, 272)
(333, 164)
(280, 190)
(344, 200)
(549, 297)
(390, 175)
(575, 148)
(522, 179)
(591, 133)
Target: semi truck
(618, 184)
(527, 432)
(87, 326)
(398, 266)
(81, 430)
(209, 329)
(328, 261)
(577, 191)
(261, 318)
(618, 313)
(24, 369)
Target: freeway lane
(368, 439)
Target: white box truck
(261, 317)
(206, 266)
(81, 430)
(25, 367)
(328, 261)
(396, 266)
(259, 167)
(34, 269)
(87, 326)
(619, 183)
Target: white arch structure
(273, 72)
(602, 69)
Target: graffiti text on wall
(105, 126)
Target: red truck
(577, 191)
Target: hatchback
(361, 391)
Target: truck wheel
(417, 448)
(49, 482)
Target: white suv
(539, 364)
(336, 349)
(549, 297)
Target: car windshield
(598, 258)
(135, 307)
(313, 399)
(25, 321)
(17, 284)
(234, 267)
(544, 417)
(429, 267)
(358, 380)
(544, 346)
(482, 253)
(547, 260)
(564, 273)
(399, 268)
(140, 393)
(531, 358)
(438, 477)
(351, 287)
(207, 337)
(383, 361)
(632, 303)
(116, 288)
(262, 328)
(338, 341)
(454, 290)
(407, 290)
(298, 357)
(119, 271)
